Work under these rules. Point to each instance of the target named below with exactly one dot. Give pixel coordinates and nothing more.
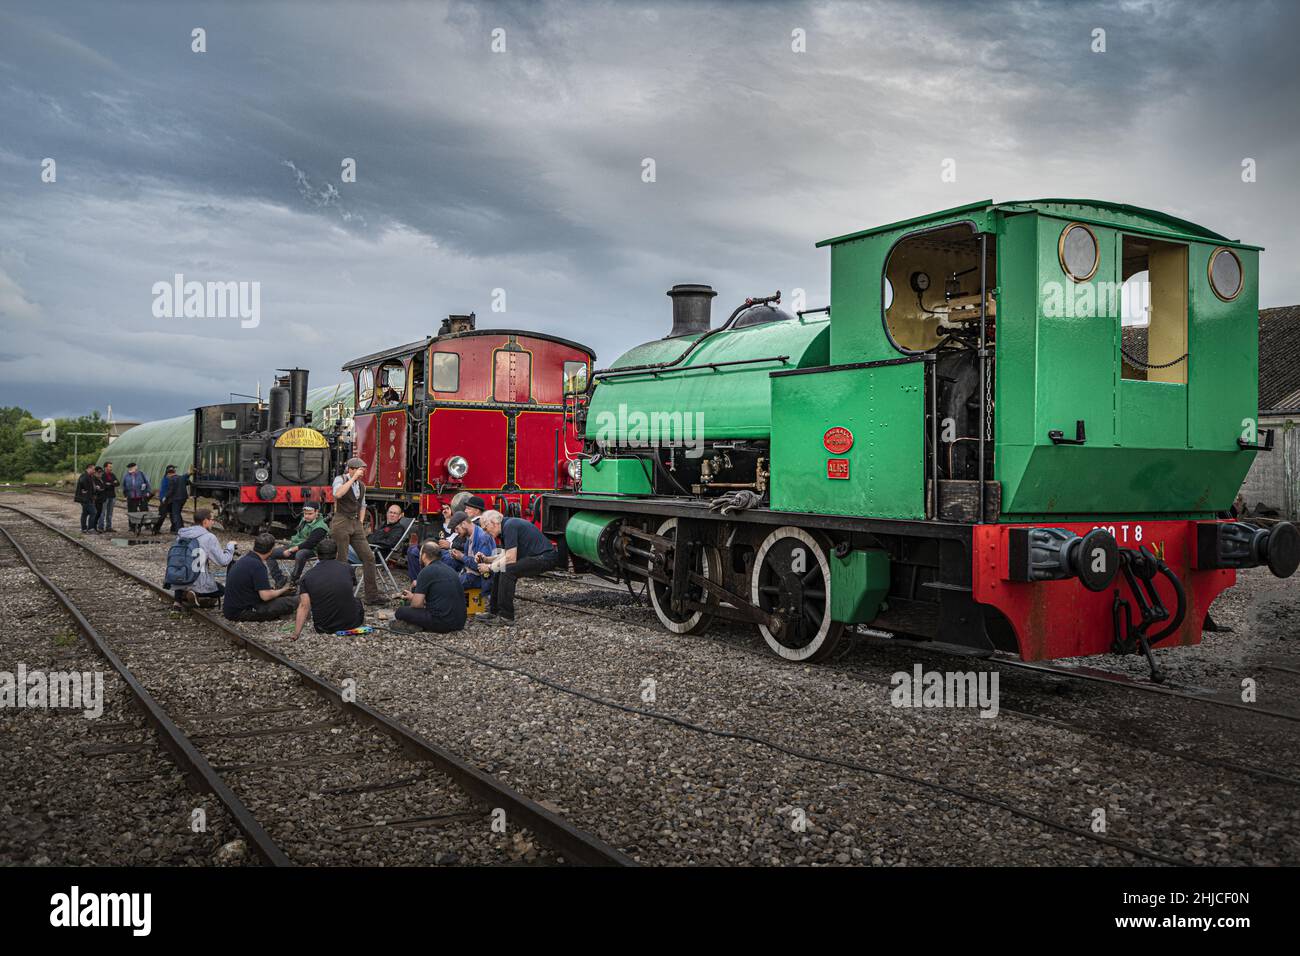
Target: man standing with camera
(347, 527)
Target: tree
(19, 456)
(15, 452)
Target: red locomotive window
(392, 384)
(446, 372)
(365, 388)
(512, 374)
(575, 377)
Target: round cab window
(1225, 274)
(1078, 252)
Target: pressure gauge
(920, 281)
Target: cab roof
(1120, 215)
(411, 347)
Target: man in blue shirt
(469, 539)
(249, 595)
(527, 553)
(175, 489)
(135, 485)
(437, 599)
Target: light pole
(75, 436)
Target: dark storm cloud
(522, 170)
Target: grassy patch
(50, 478)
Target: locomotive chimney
(692, 305)
(278, 411)
(297, 396)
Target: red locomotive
(489, 411)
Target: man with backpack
(195, 550)
(85, 496)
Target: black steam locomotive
(259, 461)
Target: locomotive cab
(481, 410)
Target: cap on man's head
(459, 518)
(308, 506)
(474, 501)
(355, 463)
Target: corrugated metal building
(170, 441)
(1273, 484)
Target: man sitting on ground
(527, 554)
(249, 595)
(203, 550)
(463, 502)
(327, 595)
(437, 599)
(304, 544)
(469, 540)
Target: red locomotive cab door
(391, 450)
(365, 444)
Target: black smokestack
(297, 396)
(278, 413)
(692, 305)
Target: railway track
(1260, 773)
(968, 794)
(1070, 671)
(257, 732)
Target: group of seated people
(461, 554)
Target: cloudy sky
(521, 170)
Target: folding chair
(382, 569)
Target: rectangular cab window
(1154, 311)
(511, 376)
(446, 372)
(575, 377)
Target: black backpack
(184, 560)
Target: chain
(1138, 363)
(988, 398)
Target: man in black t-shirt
(437, 599)
(527, 553)
(249, 595)
(327, 594)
